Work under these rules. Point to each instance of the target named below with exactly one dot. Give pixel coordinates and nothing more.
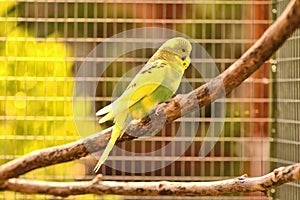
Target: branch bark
(250, 61)
(241, 184)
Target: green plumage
(156, 82)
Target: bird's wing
(145, 82)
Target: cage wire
(44, 43)
(285, 135)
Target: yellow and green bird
(155, 83)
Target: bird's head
(181, 47)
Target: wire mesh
(285, 131)
(43, 44)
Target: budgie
(156, 82)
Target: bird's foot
(135, 121)
(159, 108)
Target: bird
(155, 83)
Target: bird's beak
(188, 59)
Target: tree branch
(250, 61)
(278, 177)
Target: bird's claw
(135, 121)
(159, 108)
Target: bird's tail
(107, 117)
(104, 110)
(107, 110)
(116, 132)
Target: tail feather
(104, 110)
(107, 117)
(116, 132)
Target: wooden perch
(250, 61)
(96, 186)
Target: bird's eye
(183, 50)
(183, 58)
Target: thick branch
(261, 51)
(96, 186)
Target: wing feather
(148, 79)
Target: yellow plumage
(155, 83)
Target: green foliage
(36, 82)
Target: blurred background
(44, 43)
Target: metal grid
(35, 104)
(285, 130)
